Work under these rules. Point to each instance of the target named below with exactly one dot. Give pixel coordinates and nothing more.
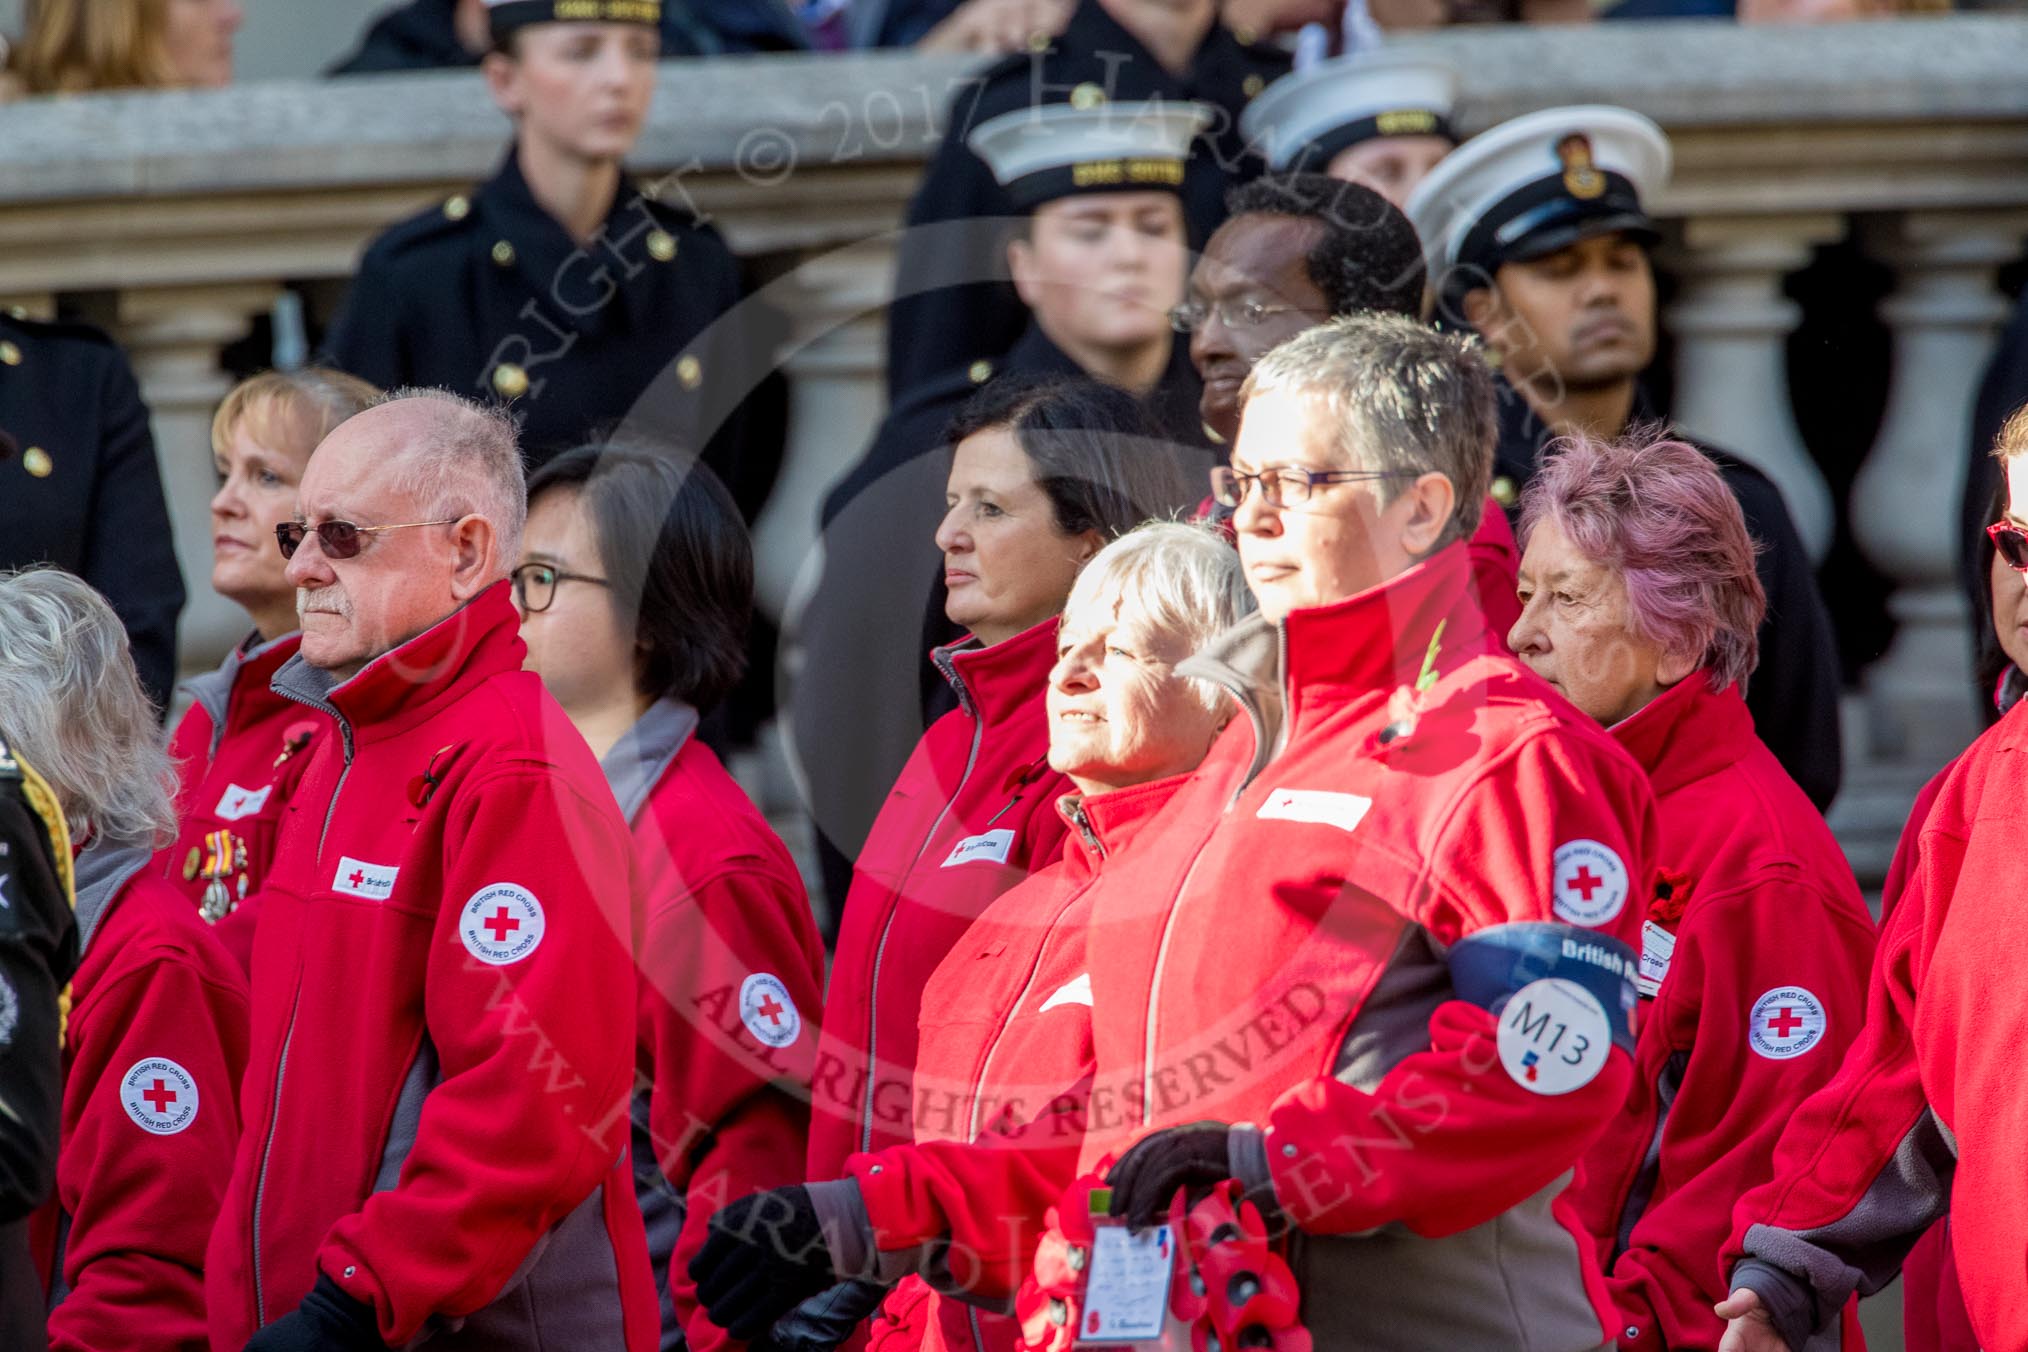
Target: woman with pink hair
(1640, 605)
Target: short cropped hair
(2013, 438)
(72, 705)
(1102, 461)
(290, 410)
(1399, 396)
(1367, 255)
(675, 552)
(1657, 512)
(467, 464)
(1182, 577)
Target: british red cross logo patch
(501, 924)
(768, 1011)
(1786, 1022)
(159, 1095)
(1588, 883)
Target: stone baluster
(1730, 320)
(173, 336)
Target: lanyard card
(1126, 1290)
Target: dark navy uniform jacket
(82, 489)
(1793, 693)
(489, 296)
(863, 696)
(943, 319)
(423, 35)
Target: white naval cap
(504, 16)
(1536, 184)
(1058, 149)
(1302, 120)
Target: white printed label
(1126, 1296)
(1786, 1022)
(1589, 883)
(159, 1095)
(357, 878)
(992, 848)
(1076, 991)
(502, 924)
(767, 1010)
(1342, 810)
(236, 802)
(1657, 947)
(1554, 1037)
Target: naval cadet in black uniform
(558, 286)
(1100, 262)
(1536, 237)
(945, 317)
(81, 488)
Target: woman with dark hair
(1044, 474)
(636, 587)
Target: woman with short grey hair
(157, 1036)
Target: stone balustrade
(177, 217)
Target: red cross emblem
(1786, 1022)
(772, 1010)
(1586, 881)
(502, 925)
(160, 1097)
(356, 877)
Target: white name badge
(1126, 1294)
(357, 878)
(1657, 947)
(236, 802)
(1342, 810)
(991, 848)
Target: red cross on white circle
(502, 925)
(772, 1009)
(1786, 1022)
(1586, 881)
(160, 1097)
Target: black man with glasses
(447, 914)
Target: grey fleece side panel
(636, 762)
(101, 871)
(842, 1220)
(1864, 1249)
(1514, 1283)
(423, 1076)
(1393, 1021)
(1790, 1305)
(1642, 1191)
(663, 1211)
(566, 1296)
(212, 692)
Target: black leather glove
(763, 1256)
(1145, 1179)
(328, 1320)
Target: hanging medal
(224, 855)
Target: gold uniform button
(1038, 41)
(1503, 491)
(10, 355)
(503, 254)
(661, 246)
(1253, 84)
(1247, 37)
(510, 380)
(691, 372)
(37, 462)
(457, 208)
(18, 311)
(980, 372)
(1087, 95)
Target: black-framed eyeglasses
(339, 539)
(535, 585)
(2011, 542)
(1246, 314)
(1286, 486)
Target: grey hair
(467, 463)
(72, 705)
(1184, 578)
(1401, 397)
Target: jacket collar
(993, 682)
(249, 667)
(1524, 435)
(409, 684)
(1103, 824)
(1687, 732)
(636, 763)
(103, 868)
(1375, 643)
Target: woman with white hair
(1641, 605)
(1004, 1070)
(157, 1035)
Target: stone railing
(177, 217)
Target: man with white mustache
(435, 1106)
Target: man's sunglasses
(339, 539)
(2012, 542)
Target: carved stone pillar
(1730, 320)
(173, 336)
(1944, 312)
